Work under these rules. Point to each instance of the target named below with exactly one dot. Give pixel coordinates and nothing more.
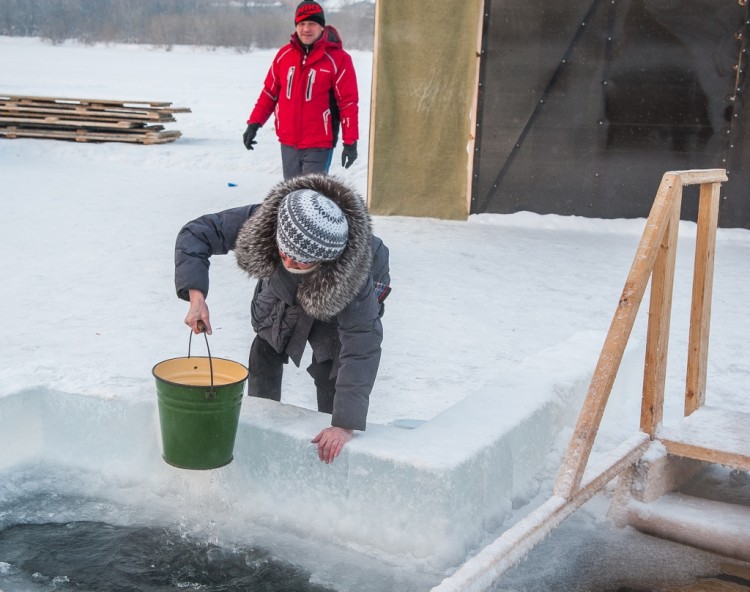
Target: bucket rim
(195, 386)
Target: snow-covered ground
(89, 229)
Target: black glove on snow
(348, 155)
(249, 136)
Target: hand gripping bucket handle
(211, 394)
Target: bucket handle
(202, 327)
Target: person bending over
(321, 276)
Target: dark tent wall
(581, 106)
(585, 104)
(426, 64)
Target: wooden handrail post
(700, 310)
(657, 342)
(659, 236)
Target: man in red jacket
(311, 88)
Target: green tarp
(425, 74)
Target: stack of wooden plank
(87, 120)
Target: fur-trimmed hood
(328, 289)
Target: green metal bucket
(199, 409)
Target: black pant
(266, 368)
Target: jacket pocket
(327, 123)
(310, 85)
(289, 81)
(273, 319)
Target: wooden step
(714, 526)
(710, 434)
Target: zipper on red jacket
(310, 84)
(289, 81)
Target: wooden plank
(706, 453)
(701, 176)
(475, 108)
(43, 99)
(80, 107)
(57, 121)
(589, 419)
(151, 106)
(160, 137)
(657, 341)
(140, 129)
(115, 114)
(739, 570)
(700, 310)
(698, 435)
(374, 102)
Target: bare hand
(330, 442)
(197, 315)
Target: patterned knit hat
(310, 227)
(309, 11)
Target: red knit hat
(310, 11)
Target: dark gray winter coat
(335, 307)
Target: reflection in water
(98, 556)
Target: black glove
(249, 136)
(348, 155)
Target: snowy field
(89, 229)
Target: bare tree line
(243, 25)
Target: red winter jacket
(297, 90)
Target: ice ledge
(429, 494)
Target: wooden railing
(654, 260)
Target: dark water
(92, 556)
